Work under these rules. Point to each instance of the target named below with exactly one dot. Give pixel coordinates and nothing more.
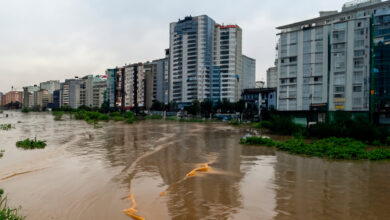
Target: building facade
(28, 95)
(162, 77)
(272, 77)
(50, 86)
(248, 77)
(228, 57)
(99, 87)
(71, 93)
(262, 98)
(324, 63)
(191, 58)
(110, 74)
(12, 97)
(380, 82)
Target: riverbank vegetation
(28, 144)
(58, 115)
(32, 109)
(1, 153)
(342, 126)
(5, 127)
(92, 116)
(333, 148)
(154, 117)
(6, 212)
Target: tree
(157, 106)
(105, 107)
(172, 106)
(194, 109)
(240, 106)
(206, 107)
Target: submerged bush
(1, 153)
(26, 110)
(5, 127)
(334, 148)
(57, 115)
(235, 122)
(31, 144)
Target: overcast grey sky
(53, 40)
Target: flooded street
(87, 173)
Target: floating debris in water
(130, 212)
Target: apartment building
(248, 77)
(380, 75)
(272, 77)
(228, 57)
(12, 97)
(99, 87)
(191, 58)
(50, 86)
(162, 77)
(28, 95)
(70, 93)
(206, 61)
(324, 63)
(110, 74)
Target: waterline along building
(205, 60)
(324, 63)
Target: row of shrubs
(93, 117)
(334, 148)
(342, 126)
(31, 144)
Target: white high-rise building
(191, 58)
(206, 61)
(228, 59)
(248, 77)
(324, 62)
(272, 77)
(50, 86)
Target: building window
(357, 88)
(338, 89)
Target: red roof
(228, 26)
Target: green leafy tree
(206, 107)
(157, 106)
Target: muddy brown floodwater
(87, 173)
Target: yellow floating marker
(204, 168)
(130, 212)
(163, 194)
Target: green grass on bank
(6, 212)
(154, 117)
(28, 144)
(333, 148)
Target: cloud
(45, 39)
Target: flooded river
(87, 173)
